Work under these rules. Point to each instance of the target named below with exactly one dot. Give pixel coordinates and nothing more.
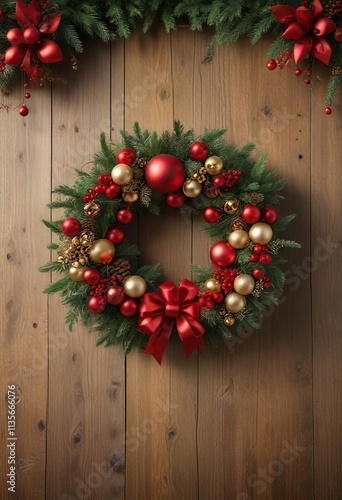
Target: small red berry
(209, 303)
(328, 110)
(254, 257)
(257, 272)
(271, 64)
(298, 71)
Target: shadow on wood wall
(258, 419)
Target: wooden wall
(257, 419)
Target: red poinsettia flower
(308, 27)
(27, 41)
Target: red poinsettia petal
(304, 17)
(294, 32)
(14, 55)
(302, 48)
(48, 51)
(27, 61)
(317, 8)
(323, 26)
(27, 15)
(321, 49)
(284, 13)
(50, 23)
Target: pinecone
(86, 235)
(274, 246)
(142, 162)
(145, 194)
(336, 70)
(258, 288)
(237, 223)
(121, 268)
(255, 198)
(241, 314)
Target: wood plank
(25, 188)
(250, 385)
(325, 270)
(161, 410)
(87, 386)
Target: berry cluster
(100, 288)
(261, 254)
(208, 300)
(105, 186)
(226, 179)
(226, 277)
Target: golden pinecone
(92, 209)
(258, 288)
(237, 223)
(255, 198)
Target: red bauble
(222, 254)
(115, 234)
(271, 64)
(91, 276)
(298, 71)
(31, 35)
(175, 200)
(257, 273)
(199, 151)
(115, 295)
(258, 248)
(265, 258)
(97, 304)
(15, 36)
(112, 191)
(124, 215)
(211, 214)
(219, 181)
(269, 215)
(129, 307)
(165, 173)
(24, 111)
(254, 257)
(251, 214)
(71, 227)
(126, 156)
(328, 110)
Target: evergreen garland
(240, 181)
(107, 19)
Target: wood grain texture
(87, 385)
(25, 186)
(257, 419)
(324, 267)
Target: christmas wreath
(102, 282)
(36, 35)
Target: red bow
(159, 313)
(27, 42)
(308, 28)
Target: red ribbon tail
(159, 340)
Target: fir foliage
(112, 327)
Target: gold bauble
(238, 239)
(244, 284)
(261, 233)
(231, 206)
(134, 286)
(212, 285)
(192, 188)
(122, 174)
(213, 165)
(229, 320)
(102, 251)
(131, 196)
(76, 273)
(234, 302)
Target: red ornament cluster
(226, 277)
(261, 254)
(208, 300)
(105, 186)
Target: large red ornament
(23, 111)
(71, 227)
(175, 200)
(115, 234)
(124, 215)
(126, 156)
(129, 307)
(211, 214)
(97, 304)
(164, 173)
(251, 213)
(222, 254)
(91, 276)
(115, 295)
(269, 215)
(199, 151)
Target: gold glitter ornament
(213, 165)
(229, 320)
(231, 206)
(92, 209)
